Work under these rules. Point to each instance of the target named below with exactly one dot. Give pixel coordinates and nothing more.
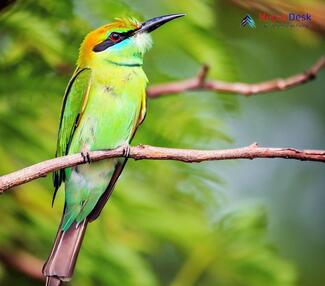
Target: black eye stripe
(109, 42)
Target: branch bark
(201, 83)
(145, 152)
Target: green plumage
(101, 110)
(104, 103)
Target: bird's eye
(115, 36)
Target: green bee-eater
(104, 103)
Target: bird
(103, 105)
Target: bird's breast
(111, 113)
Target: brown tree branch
(201, 83)
(142, 152)
(23, 262)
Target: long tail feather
(62, 260)
(53, 281)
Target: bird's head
(122, 42)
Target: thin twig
(201, 83)
(142, 152)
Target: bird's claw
(86, 157)
(126, 150)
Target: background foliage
(169, 223)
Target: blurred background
(232, 223)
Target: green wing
(74, 103)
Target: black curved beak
(154, 23)
(147, 26)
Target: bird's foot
(85, 155)
(126, 150)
